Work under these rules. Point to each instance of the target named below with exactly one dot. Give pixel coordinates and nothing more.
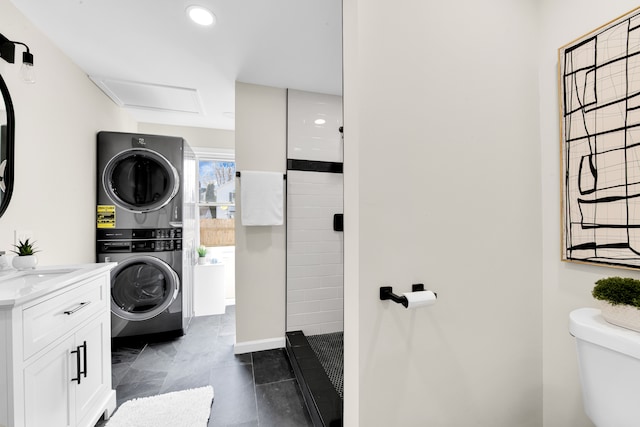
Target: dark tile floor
(250, 390)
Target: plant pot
(25, 262)
(626, 316)
(202, 260)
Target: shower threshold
(320, 394)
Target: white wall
(446, 94)
(260, 251)
(566, 286)
(57, 119)
(196, 137)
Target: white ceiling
(151, 59)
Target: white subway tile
(320, 294)
(315, 247)
(315, 271)
(310, 282)
(315, 224)
(310, 259)
(296, 295)
(323, 317)
(315, 200)
(318, 306)
(323, 328)
(314, 236)
(306, 138)
(296, 321)
(294, 212)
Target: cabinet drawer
(46, 321)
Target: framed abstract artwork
(599, 96)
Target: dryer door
(140, 180)
(142, 287)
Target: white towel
(261, 198)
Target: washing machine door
(140, 180)
(142, 287)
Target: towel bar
(284, 175)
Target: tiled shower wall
(314, 253)
(314, 249)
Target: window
(217, 201)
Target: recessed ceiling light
(320, 121)
(201, 15)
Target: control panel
(139, 240)
(139, 233)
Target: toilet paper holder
(386, 292)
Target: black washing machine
(141, 180)
(146, 216)
(147, 296)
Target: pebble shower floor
(330, 351)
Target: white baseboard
(258, 345)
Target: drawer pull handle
(84, 359)
(81, 305)
(77, 352)
(79, 370)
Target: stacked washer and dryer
(146, 217)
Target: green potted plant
(26, 257)
(202, 253)
(619, 301)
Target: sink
(36, 276)
(18, 287)
(29, 278)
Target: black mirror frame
(8, 172)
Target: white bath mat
(186, 408)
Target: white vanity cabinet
(56, 351)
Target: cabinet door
(47, 388)
(93, 341)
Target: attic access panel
(149, 96)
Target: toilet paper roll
(420, 299)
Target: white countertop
(18, 287)
(217, 264)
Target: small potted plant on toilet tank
(619, 301)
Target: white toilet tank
(609, 364)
